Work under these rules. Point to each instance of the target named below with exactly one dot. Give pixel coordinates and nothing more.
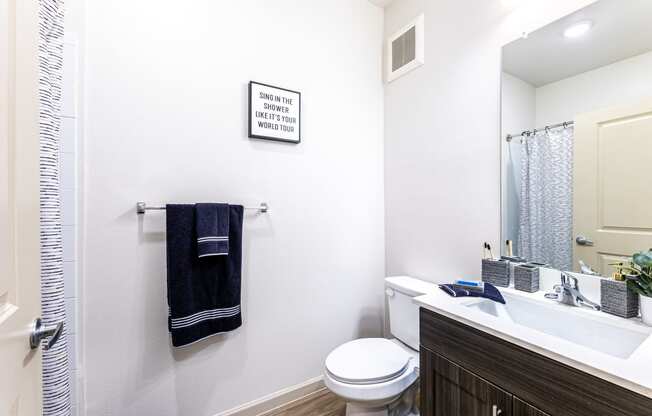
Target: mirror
(576, 138)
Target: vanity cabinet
(520, 408)
(457, 392)
(469, 372)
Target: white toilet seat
(371, 370)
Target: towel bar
(141, 208)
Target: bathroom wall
(72, 122)
(442, 128)
(165, 102)
(518, 104)
(69, 186)
(620, 83)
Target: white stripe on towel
(204, 316)
(212, 239)
(213, 254)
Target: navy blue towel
(203, 293)
(490, 292)
(212, 222)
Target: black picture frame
(251, 118)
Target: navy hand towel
(490, 292)
(203, 293)
(212, 225)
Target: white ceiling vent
(405, 49)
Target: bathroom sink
(592, 330)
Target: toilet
(379, 376)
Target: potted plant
(639, 280)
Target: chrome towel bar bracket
(142, 207)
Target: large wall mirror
(577, 138)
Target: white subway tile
(72, 351)
(69, 280)
(71, 315)
(73, 388)
(68, 207)
(68, 242)
(68, 139)
(69, 81)
(68, 172)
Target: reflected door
(612, 186)
(20, 366)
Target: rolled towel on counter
(212, 226)
(490, 292)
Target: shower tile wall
(69, 187)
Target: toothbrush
(488, 247)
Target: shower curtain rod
(565, 124)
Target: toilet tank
(403, 313)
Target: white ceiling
(621, 29)
(381, 3)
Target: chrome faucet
(568, 292)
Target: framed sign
(274, 113)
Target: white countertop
(633, 372)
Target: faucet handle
(569, 281)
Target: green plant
(639, 273)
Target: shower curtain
(546, 210)
(56, 388)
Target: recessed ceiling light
(578, 29)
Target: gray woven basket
(526, 277)
(617, 300)
(495, 272)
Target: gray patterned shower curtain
(56, 388)
(546, 209)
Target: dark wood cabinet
(466, 372)
(523, 409)
(457, 392)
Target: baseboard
(274, 400)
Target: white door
(20, 365)
(612, 196)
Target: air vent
(405, 49)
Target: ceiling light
(578, 29)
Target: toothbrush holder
(526, 277)
(617, 299)
(496, 272)
(513, 262)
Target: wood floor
(320, 403)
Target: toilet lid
(367, 361)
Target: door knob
(41, 332)
(583, 241)
(496, 411)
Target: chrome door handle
(41, 332)
(583, 241)
(496, 411)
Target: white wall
(620, 83)
(166, 100)
(442, 164)
(69, 184)
(518, 100)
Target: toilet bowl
(372, 375)
(378, 376)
